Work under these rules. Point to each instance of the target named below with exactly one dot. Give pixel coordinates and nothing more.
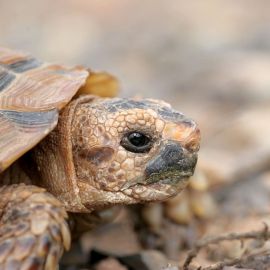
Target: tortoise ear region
(97, 155)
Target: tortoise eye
(136, 142)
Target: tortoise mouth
(163, 178)
(169, 177)
(156, 191)
(166, 171)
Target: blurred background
(209, 59)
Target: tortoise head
(128, 151)
(118, 151)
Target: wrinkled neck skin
(54, 166)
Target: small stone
(110, 264)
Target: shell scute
(31, 94)
(5, 79)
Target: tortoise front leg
(33, 230)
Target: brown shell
(31, 94)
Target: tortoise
(66, 156)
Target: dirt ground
(209, 59)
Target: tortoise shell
(31, 94)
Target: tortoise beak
(172, 164)
(178, 156)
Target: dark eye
(136, 142)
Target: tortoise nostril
(185, 133)
(192, 146)
(192, 142)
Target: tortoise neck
(53, 162)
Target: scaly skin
(33, 230)
(87, 165)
